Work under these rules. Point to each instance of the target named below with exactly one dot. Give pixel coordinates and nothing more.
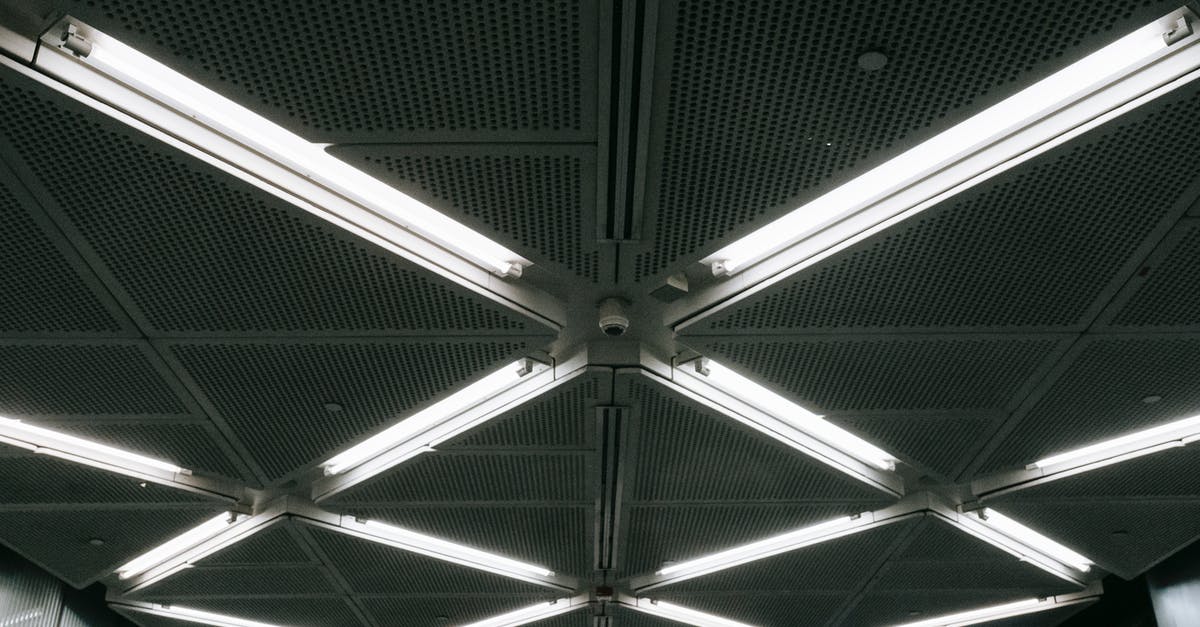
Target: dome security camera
(613, 320)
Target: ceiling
(157, 303)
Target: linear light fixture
(765, 548)
(1136, 68)
(195, 616)
(1001, 531)
(180, 544)
(1171, 435)
(443, 549)
(703, 374)
(1011, 609)
(533, 613)
(241, 137)
(682, 614)
(445, 419)
(71, 448)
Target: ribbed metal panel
(28, 597)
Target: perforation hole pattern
(1168, 299)
(1049, 236)
(534, 201)
(273, 396)
(767, 104)
(82, 380)
(42, 292)
(198, 251)
(353, 69)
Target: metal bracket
(75, 42)
(1182, 29)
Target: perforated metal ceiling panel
(434, 611)
(761, 105)
(379, 71)
(1163, 295)
(538, 199)
(1100, 391)
(940, 570)
(371, 568)
(932, 400)
(522, 484)
(45, 287)
(195, 251)
(1049, 236)
(1126, 516)
(273, 395)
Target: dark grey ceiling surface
(151, 301)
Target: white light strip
(1006, 533)
(65, 446)
(443, 549)
(198, 616)
(245, 127)
(768, 547)
(533, 613)
(973, 150)
(683, 614)
(458, 412)
(180, 544)
(782, 410)
(985, 614)
(1179, 433)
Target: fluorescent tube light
(1129, 71)
(231, 121)
(179, 544)
(198, 616)
(443, 549)
(782, 409)
(533, 613)
(1010, 535)
(442, 420)
(1145, 442)
(46, 441)
(683, 614)
(985, 614)
(765, 548)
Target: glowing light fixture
(71, 448)
(533, 613)
(1127, 73)
(1010, 535)
(1137, 444)
(180, 544)
(683, 614)
(702, 374)
(198, 616)
(443, 549)
(765, 548)
(226, 129)
(455, 414)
